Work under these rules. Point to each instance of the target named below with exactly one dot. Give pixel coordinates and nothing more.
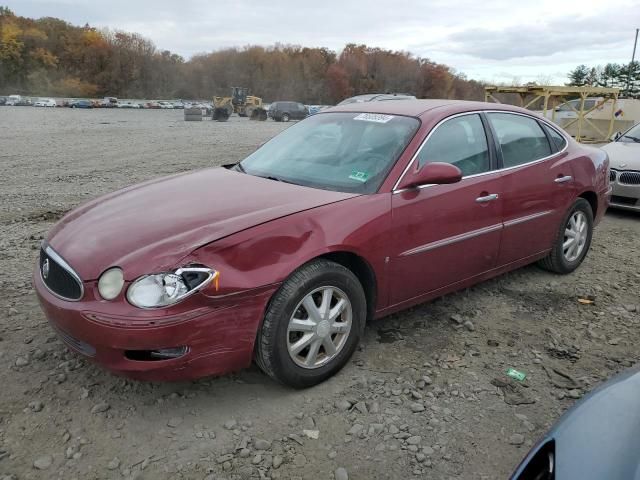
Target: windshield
(631, 136)
(345, 152)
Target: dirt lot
(416, 401)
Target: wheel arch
(357, 264)
(362, 270)
(591, 197)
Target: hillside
(48, 56)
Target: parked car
(3, 101)
(81, 104)
(354, 213)
(178, 104)
(108, 102)
(313, 109)
(45, 102)
(285, 111)
(128, 104)
(166, 105)
(624, 153)
(593, 440)
(153, 105)
(377, 97)
(18, 101)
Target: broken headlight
(164, 289)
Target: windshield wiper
(240, 168)
(277, 179)
(635, 139)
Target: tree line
(626, 77)
(49, 56)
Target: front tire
(313, 325)
(572, 240)
(285, 117)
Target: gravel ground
(424, 396)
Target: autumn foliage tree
(49, 56)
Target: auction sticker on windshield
(374, 117)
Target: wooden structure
(551, 96)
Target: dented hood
(152, 226)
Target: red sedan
(354, 213)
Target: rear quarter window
(559, 141)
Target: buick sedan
(354, 213)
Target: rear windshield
(340, 151)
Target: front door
(443, 234)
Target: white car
(45, 102)
(127, 104)
(166, 105)
(624, 157)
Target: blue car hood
(599, 437)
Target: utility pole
(633, 59)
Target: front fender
(268, 253)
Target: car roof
(416, 108)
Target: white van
(626, 113)
(14, 100)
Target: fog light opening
(155, 355)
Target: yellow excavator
(239, 102)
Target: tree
(49, 56)
(578, 76)
(337, 83)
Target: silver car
(624, 154)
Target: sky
(497, 41)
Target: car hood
(623, 153)
(152, 226)
(597, 438)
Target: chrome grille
(629, 178)
(58, 276)
(612, 175)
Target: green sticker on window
(359, 176)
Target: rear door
(443, 234)
(537, 184)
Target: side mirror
(437, 173)
(617, 135)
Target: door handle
(565, 179)
(487, 198)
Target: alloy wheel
(575, 236)
(319, 327)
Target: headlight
(162, 289)
(110, 283)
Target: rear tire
(291, 320)
(572, 240)
(285, 117)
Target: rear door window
(521, 138)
